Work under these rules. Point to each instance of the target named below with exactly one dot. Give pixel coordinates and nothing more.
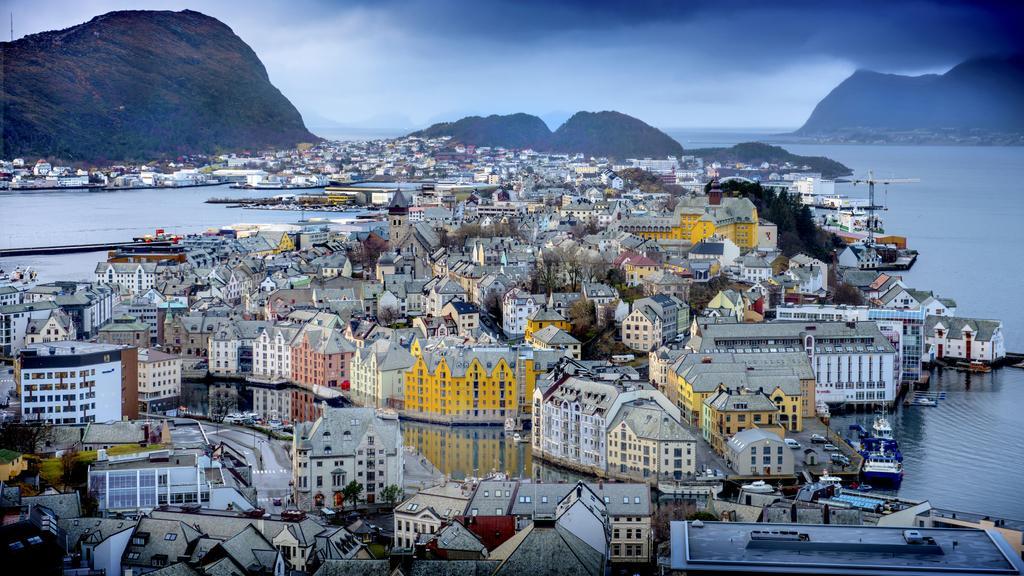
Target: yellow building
(11, 464)
(731, 411)
(785, 377)
(461, 384)
(466, 384)
(697, 218)
(544, 317)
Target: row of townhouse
(610, 425)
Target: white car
(793, 444)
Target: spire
(399, 203)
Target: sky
(402, 64)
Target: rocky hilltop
(140, 85)
(610, 134)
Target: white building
(970, 339)
(517, 306)
(853, 362)
(135, 277)
(428, 511)
(14, 321)
(73, 382)
(149, 479)
(573, 415)
(341, 446)
(757, 452)
(272, 352)
(821, 313)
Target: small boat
(828, 480)
(923, 402)
(510, 424)
(979, 367)
(758, 487)
(881, 428)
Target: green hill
(137, 85)
(610, 134)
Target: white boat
(882, 468)
(924, 402)
(881, 428)
(828, 480)
(758, 487)
(510, 424)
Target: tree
(392, 494)
(582, 316)
(68, 463)
(352, 492)
(387, 315)
(847, 294)
(24, 438)
(492, 304)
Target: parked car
(293, 515)
(831, 447)
(818, 439)
(256, 513)
(839, 459)
(793, 444)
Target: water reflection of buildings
(461, 451)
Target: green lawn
(50, 468)
(378, 551)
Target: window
(170, 536)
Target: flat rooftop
(723, 547)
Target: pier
(71, 248)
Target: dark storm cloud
(869, 33)
(726, 63)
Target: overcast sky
(684, 63)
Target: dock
(69, 248)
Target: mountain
(611, 134)
(509, 131)
(985, 94)
(758, 152)
(137, 85)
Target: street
(270, 461)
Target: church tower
(398, 216)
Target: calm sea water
(78, 217)
(964, 216)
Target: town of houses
(632, 334)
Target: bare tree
(388, 315)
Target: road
(271, 464)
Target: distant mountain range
(138, 85)
(976, 97)
(609, 134)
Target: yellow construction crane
(871, 181)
